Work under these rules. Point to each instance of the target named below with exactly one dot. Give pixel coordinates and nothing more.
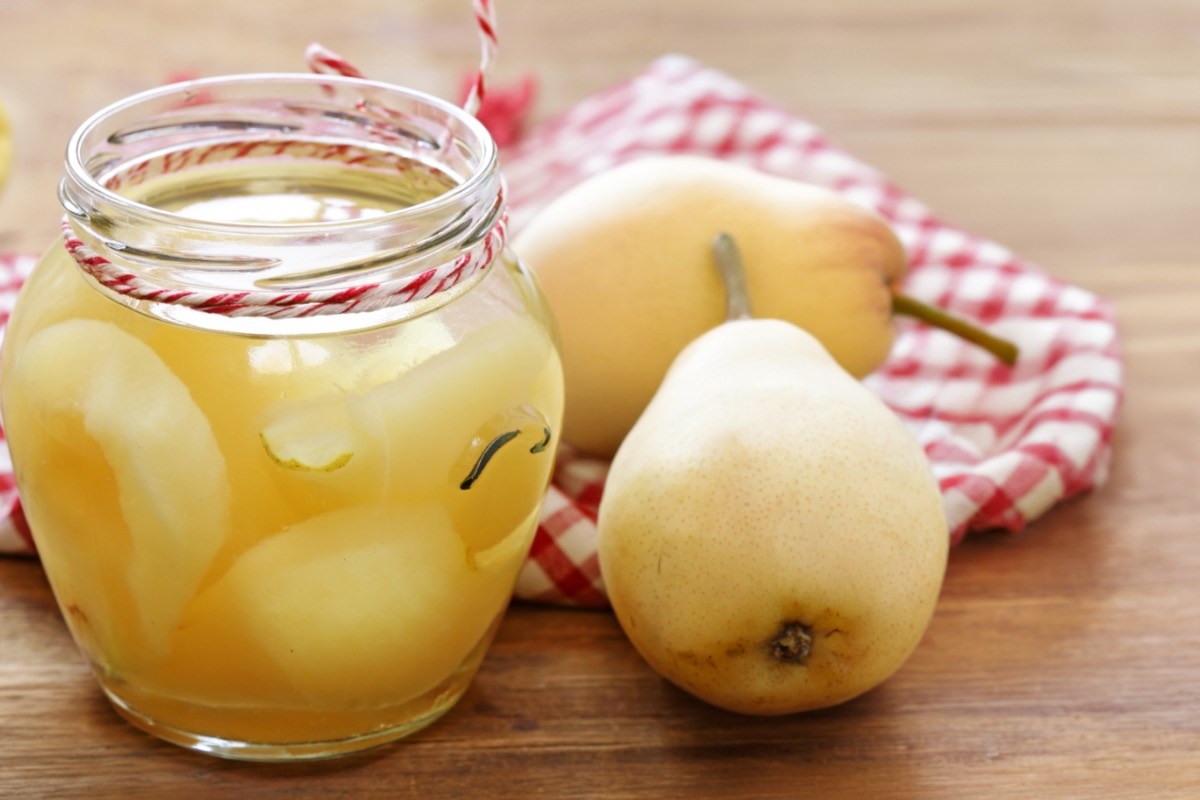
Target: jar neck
(426, 168)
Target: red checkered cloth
(1005, 444)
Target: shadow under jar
(282, 410)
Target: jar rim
(194, 270)
(78, 173)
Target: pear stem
(1002, 349)
(733, 275)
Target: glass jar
(282, 410)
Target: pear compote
(283, 538)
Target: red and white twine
(357, 298)
(485, 22)
(352, 299)
(324, 61)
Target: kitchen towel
(1006, 444)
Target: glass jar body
(280, 545)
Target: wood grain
(1062, 662)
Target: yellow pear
(623, 260)
(770, 535)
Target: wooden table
(1062, 662)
